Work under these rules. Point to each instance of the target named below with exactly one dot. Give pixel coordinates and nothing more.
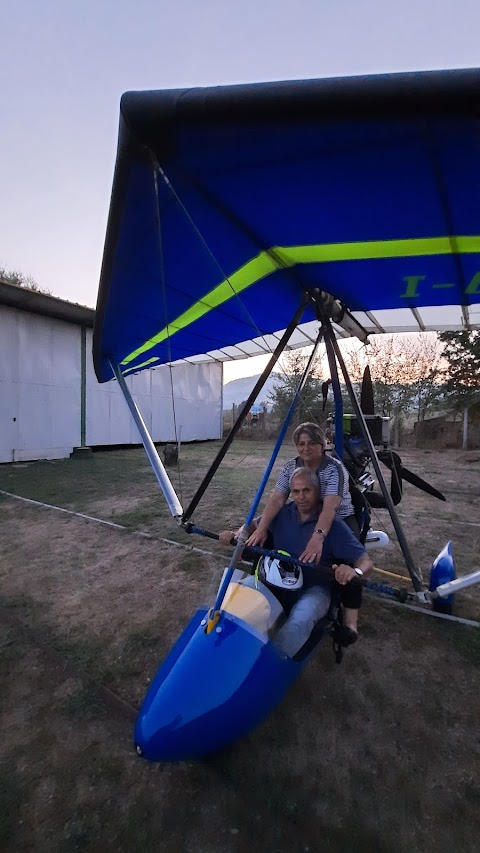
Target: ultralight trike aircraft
(247, 219)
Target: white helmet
(280, 573)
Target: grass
(77, 482)
(137, 648)
(140, 518)
(462, 638)
(81, 831)
(21, 602)
(86, 653)
(376, 754)
(11, 652)
(84, 702)
(10, 796)
(82, 484)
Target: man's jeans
(312, 605)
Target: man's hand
(313, 550)
(343, 573)
(258, 537)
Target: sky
(64, 65)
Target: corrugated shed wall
(40, 394)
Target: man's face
(303, 494)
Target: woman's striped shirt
(332, 479)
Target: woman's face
(308, 450)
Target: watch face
(359, 573)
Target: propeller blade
(367, 404)
(394, 464)
(417, 481)
(325, 393)
(391, 460)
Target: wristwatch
(358, 572)
(322, 532)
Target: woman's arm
(328, 512)
(314, 547)
(274, 504)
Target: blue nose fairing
(212, 689)
(442, 571)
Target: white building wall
(197, 396)
(198, 401)
(40, 394)
(39, 386)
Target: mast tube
(337, 396)
(237, 553)
(241, 417)
(412, 569)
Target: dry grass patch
(377, 754)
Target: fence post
(396, 428)
(465, 430)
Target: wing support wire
(246, 408)
(164, 482)
(332, 345)
(215, 612)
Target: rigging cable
(225, 277)
(214, 614)
(210, 253)
(169, 346)
(160, 171)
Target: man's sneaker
(345, 636)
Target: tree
(406, 372)
(21, 280)
(462, 353)
(309, 407)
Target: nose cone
(211, 689)
(443, 570)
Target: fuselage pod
(215, 687)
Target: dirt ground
(378, 754)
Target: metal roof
(36, 302)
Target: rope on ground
(114, 524)
(219, 556)
(458, 619)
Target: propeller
(388, 457)
(367, 403)
(325, 393)
(394, 463)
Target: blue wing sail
(228, 202)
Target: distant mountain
(238, 390)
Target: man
(333, 483)
(291, 530)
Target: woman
(334, 491)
